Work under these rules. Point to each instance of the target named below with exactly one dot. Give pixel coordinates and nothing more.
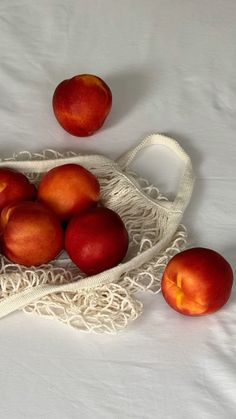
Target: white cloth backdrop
(171, 67)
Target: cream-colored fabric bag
(106, 302)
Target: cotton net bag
(109, 301)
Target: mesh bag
(108, 301)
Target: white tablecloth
(171, 67)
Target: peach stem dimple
(179, 297)
(179, 280)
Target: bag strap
(186, 182)
(32, 294)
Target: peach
(31, 233)
(14, 186)
(68, 189)
(197, 281)
(81, 104)
(96, 240)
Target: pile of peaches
(63, 212)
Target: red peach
(14, 186)
(32, 233)
(197, 281)
(96, 240)
(68, 189)
(81, 104)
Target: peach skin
(96, 240)
(81, 104)
(14, 186)
(197, 281)
(68, 189)
(31, 233)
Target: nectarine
(14, 186)
(81, 104)
(197, 281)
(32, 233)
(96, 240)
(68, 189)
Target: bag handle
(186, 182)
